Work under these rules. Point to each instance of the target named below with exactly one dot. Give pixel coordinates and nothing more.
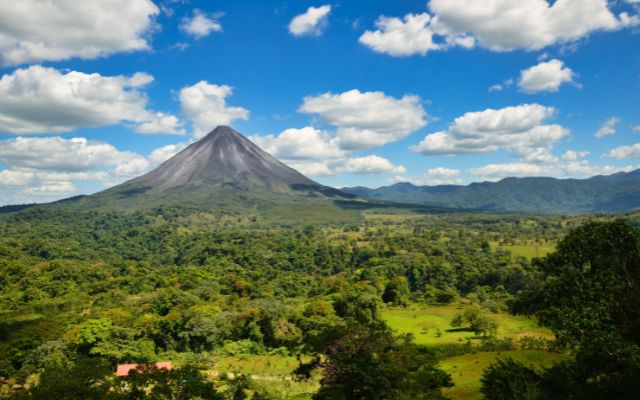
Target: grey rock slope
(223, 169)
(223, 157)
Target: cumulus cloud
(367, 119)
(34, 30)
(636, 128)
(608, 128)
(547, 76)
(441, 176)
(499, 25)
(370, 164)
(56, 153)
(504, 25)
(205, 104)
(48, 168)
(519, 129)
(300, 144)
(405, 37)
(312, 23)
(162, 154)
(572, 169)
(317, 153)
(44, 100)
(43, 169)
(623, 152)
(201, 24)
(572, 155)
(365, 165)
(499, 87)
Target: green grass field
(271, 373)
(528, 251)
(466, 370)
(430, 325)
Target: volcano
(224, 170)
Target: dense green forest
(388, 307)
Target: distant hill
(613, 193)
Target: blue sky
(350, 93)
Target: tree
(511, 380)
(368, 362)
(397, 291)
(85, 379)
(590, 297)
(473, 320)
(148, 381)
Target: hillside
(613, 193)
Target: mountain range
(612, 193)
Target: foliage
(510, 380)
(590, 297)
(473, 320)
(368, 362)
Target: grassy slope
(466, 370)
(430, 324)
(528, 251)
(273, 373)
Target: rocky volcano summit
(223, 158)
(222, 170)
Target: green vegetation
(248, 307)
(466, 370)
(431, 325)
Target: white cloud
(636, 128)
(623, 152)
(401, 37)
(547, 76)
(366, 165)
(572, 155)
(518, 129)
(34, 30)
(370, 164)
(504, 25)
(58, 154)
(441, 176)
(494, 172)
(369, 119)
(45, 169)
(205, 104)
(48, 168)
(498, 25)
(303, 143)
(499, 87)
(311, 168)
(201, 24)
(317, 153)
(313, 22)
(162, 154)
(161, 123)
(39, 100)
(608, 128)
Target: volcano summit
(223, 170)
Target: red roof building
(123, 369)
